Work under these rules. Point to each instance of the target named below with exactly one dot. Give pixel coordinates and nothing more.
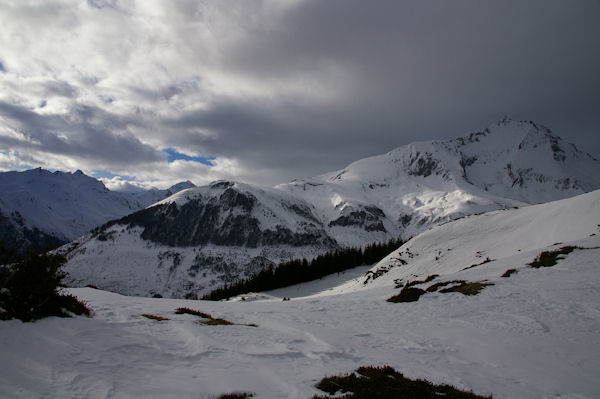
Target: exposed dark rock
(302, 210)
(367, 218)
(405, 219)
(465, 162)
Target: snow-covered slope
(483, 245)
(228, 230)
(65, 205)
(534, 334)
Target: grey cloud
(101, 4)
(86, 132)
(59, 89)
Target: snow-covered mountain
(43, 208)
(533, 334)
(202, 237)
(508, 164)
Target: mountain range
(202, 237)
(42, 209)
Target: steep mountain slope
(228, 230)
(59, 206)
(531, 335)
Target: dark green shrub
(386, 383)
(30, 290)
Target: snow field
(535, 334)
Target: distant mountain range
(202, 237)
(41, 209)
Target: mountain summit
(202, 237)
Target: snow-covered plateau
(533, 334)
(203, 237)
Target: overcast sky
(265, 91)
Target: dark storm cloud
(302, 138)
(425, 70)
(87, 132)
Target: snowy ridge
(531, 335)
(229, 230)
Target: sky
(154, 92)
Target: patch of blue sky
(173, 155)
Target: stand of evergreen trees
(301, 271)
(30, 288)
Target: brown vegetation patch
(417, 282)
(486, 260)
(549, 258)
(509, 272)
(193, 312)
(437, 286)
(236, 395)
(385, 382)
(154, 317)
(467, 288)
(412, 294)
(218, 322)
(211, 321)
(407, 294)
